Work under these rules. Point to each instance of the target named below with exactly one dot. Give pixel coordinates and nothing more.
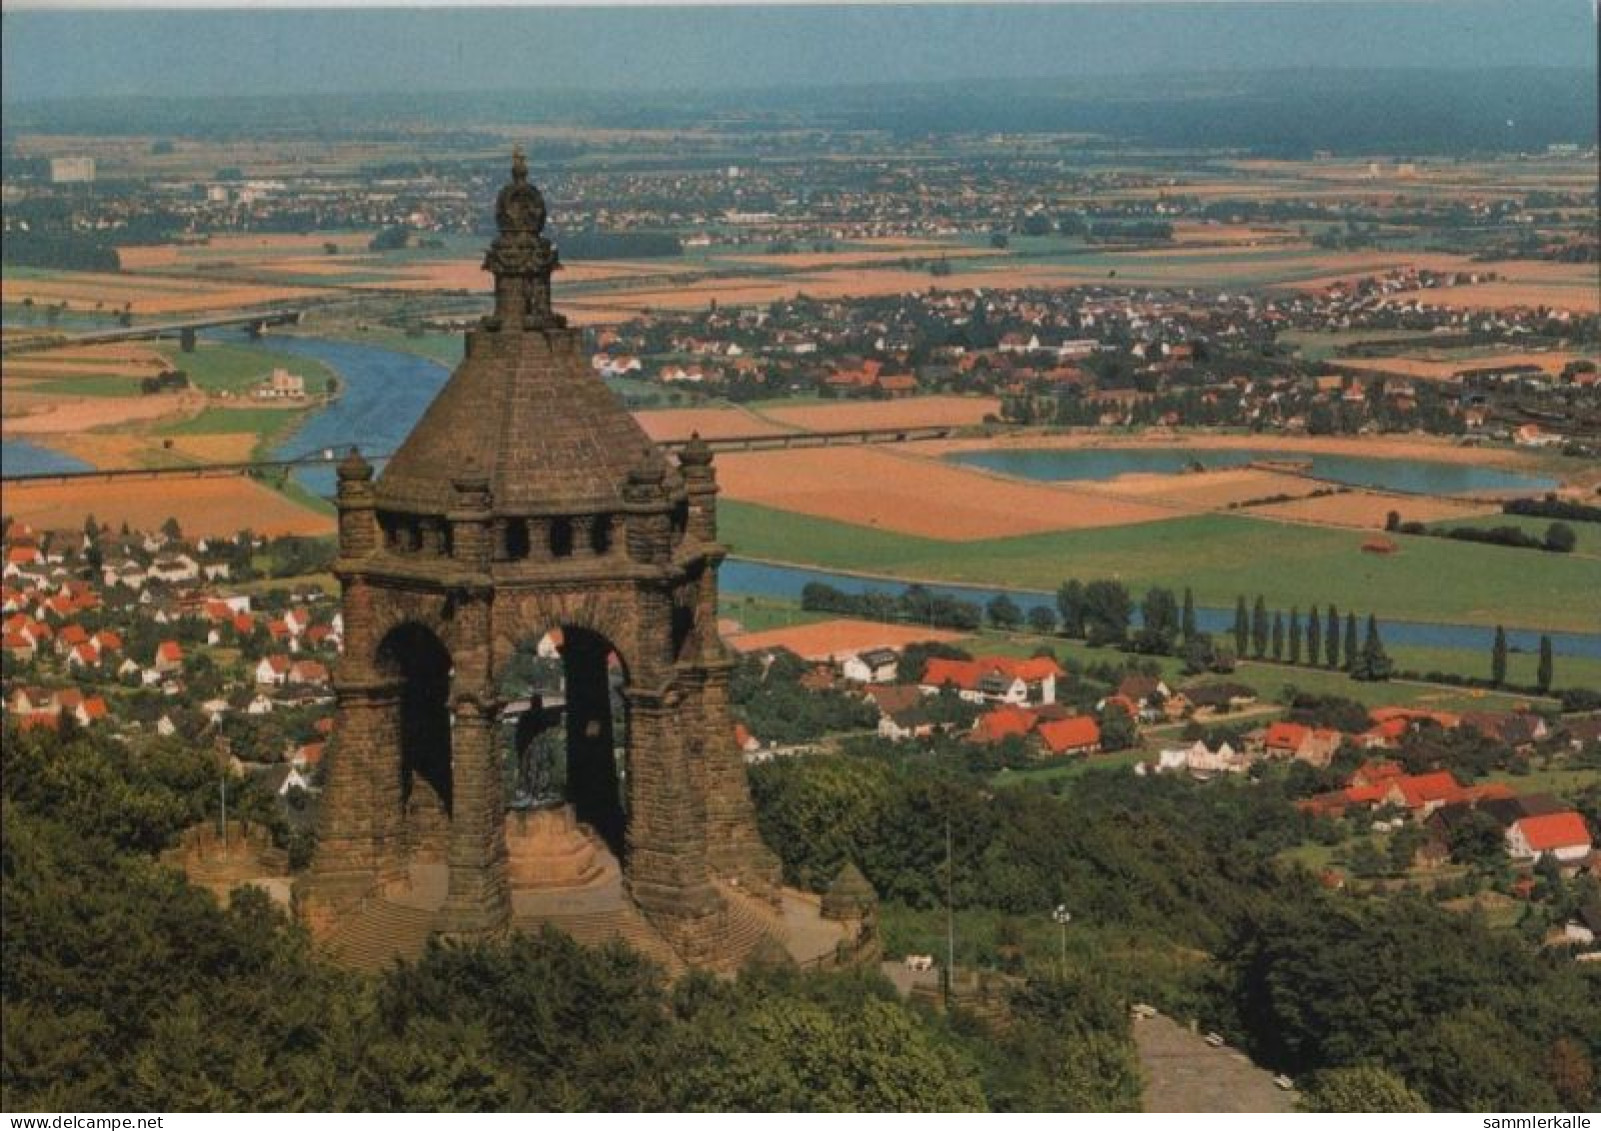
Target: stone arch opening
(564, 729)
(561, 537)
(421, 665)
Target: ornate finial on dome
(353, 466)
(651, 468)
(696, 453)
(521, 259)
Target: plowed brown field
(870, 486)
(201, 506)
(831, 639)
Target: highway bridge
(255, 323)
(332, 455)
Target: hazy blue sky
(55, 54)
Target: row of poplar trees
(1259, 635)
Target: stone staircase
(751, 922)
(380, 934)
(601, 925)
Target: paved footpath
(1184, 1073)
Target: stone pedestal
(547, 848)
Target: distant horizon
(118, 53)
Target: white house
(1564, 835)
(875, 665)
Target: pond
(22, 457)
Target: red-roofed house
(83, 656)
(1004, 722)
(1377, 772)
(272, 670)
(994, 679)
(91, 710)
(1564, 835)
(169, 657)
(1314, 745)
(1080, 734)
(1424, 793)
(307, 671)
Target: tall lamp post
(1062, 917)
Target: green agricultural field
(222, 367)
(1317, 345)
(1566, 671)
(1271, 679)
(264, 422)
(1563, 781)
(1220, 557)
(758, 614)
(90, 386)
(1587, 533)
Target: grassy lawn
(1025, 644)
(758, 614)
(1065, 768)
(1587, 533)
(1271, 679)
(1318, 346)
(264, 422)
(224, 367)
(1567, 671)
(1220, 556)
(1563, 781)
(95, 386)
(327, 582)
(1315, 857)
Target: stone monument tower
(528, 500)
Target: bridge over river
(254, 322)
(332, 454)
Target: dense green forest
(1177, 886)
(123, 987)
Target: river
(384, 392)
(768, 579)
(1411, 476)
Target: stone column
(734, 846)
(470, 518)
(649, 525)
(700, 482)
(479, 898)
(666, 869)
(358, 531)
(357, 841)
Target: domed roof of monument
(525, 406)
